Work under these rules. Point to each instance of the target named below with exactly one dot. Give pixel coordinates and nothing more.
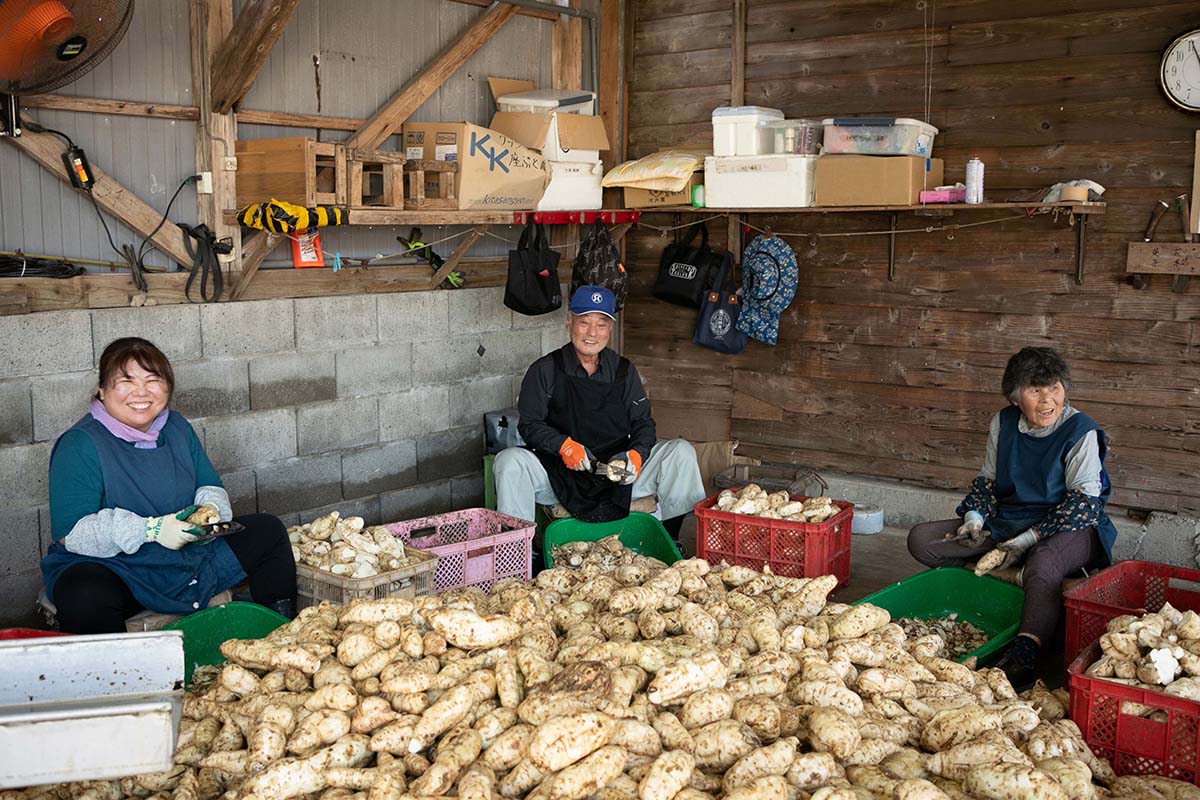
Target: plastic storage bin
(416, 580)
(543, 101)
(989, 604)
(769, 181)
(1134, 745)
(794, 549)
(879, 137)
(474, 547)
(574, 186)
(737, 131)
(204, 631)
(1127, 587)
(640, 532)
(773, 477)
(799, 137)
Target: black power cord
(22, 266)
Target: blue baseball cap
(594, 300)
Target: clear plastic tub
(737, 130)
(799, 137)
(878, 137)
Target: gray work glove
(971, 533)
(1016, 547)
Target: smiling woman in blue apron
(123, 480)
(582, 406)
(1039, 497)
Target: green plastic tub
(989, 604)
(204, 631)
(640, 532)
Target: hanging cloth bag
(687, 271)
(716, 324)
(599, 264)
(532, 287)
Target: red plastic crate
(1127, 587)
(9, 634)
(475, 547)
(1135, 745)
(794, 549)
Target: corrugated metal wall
(367, 49)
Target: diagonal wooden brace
(458, 255)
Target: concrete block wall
(369, 404)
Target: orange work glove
(576, 456)
(633, 462)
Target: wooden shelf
(936, 208)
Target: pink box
(475, 547)
(944, 196)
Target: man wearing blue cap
(584, 405)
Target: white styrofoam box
(770, 181)
(543, 101)
(574, 186)
(553, 150)
(736, 130)
(879, 137)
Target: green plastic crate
(204, 631)
(640, 532)
(989, 604)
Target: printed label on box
(416, 137)
(414, 153)
(445, 152)
(766, 165)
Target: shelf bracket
(892, 247)
(1081, 222)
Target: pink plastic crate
(475, 547)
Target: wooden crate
(430, 185)
(376, 178)
(296, 169)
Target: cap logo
(597, 297)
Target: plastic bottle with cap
(974, 180)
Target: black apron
(593, 414)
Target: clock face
(1180, 74)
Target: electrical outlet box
(204, 185)
(229, 163)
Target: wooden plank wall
(899, 379)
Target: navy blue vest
(151, 483)
(1031, 475)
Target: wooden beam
(737, 72)
(210, 22)
(1194, 219)
(388, 119)
(256, 247)
(611, 87)
(457, 256)
(255, 117)
(566, 51)
(526, 12)
(96, 105)
(111, 196)
(235, 63)
(1163, 259)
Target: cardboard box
(494, 171)
(875, 180)
(649, 198)
(557, 136)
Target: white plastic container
(879, 137)
(769, 181)
(736, 130)
(543, 101)
(799, 137)
(574, 186)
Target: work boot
(285, 607)
(1019, 662)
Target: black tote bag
(532, 287)
(687, 271)
(716, 324)
(599, 264)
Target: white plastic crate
(739, 131)
(771, 181)
(543, 101)
(878, 137)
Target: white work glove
(170, 531)
(1016, 547)
(971, 532)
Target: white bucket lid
(746, 111)
(548, 98)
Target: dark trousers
(1046, 565)
(91, 598)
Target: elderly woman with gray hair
(1039, 497)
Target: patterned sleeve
(1077, 510)
(981, 498)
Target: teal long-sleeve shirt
(77, 485)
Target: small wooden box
(430, 185)
(376, 178)
(295, 169)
